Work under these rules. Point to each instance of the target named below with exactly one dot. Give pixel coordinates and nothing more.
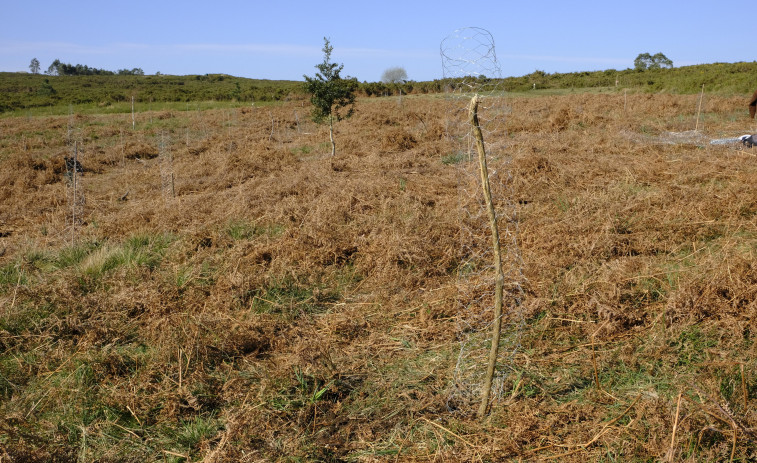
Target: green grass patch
(644, 291)
(17, 369)
(24, 319)
(300, 390)
(194, 274)
(74, 255)
(11, 275)
(186, 437)
(301, 150)
(691, 347)
(563, 204)
(454, 158)
(289, 297)
(138, 251)
(244, 230)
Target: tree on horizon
(34, 66)
(646, 61)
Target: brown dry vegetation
(290, 306)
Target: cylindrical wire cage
(471, 68)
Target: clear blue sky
(275, 39)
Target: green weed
(691, 347)
(183, 276)
(74, 255)
(190, 433)
(11, 275)
(563, 204)
(139, 251)
(289, 297)
(243, 230)
(25, 318)
(300, 150)
(454, 158)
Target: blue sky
(283, 39)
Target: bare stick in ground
(500, 276)
(671, 451)
(699, 111)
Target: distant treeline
(722, 78)
(83, 85)
(22, 90)
(64, 69)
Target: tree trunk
(331, 135)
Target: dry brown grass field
(274, 303)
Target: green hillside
(23, 91)
(722, 78)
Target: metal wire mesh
(166, 168)
(75, 197)
(470, 68)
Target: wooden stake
(701, 97)
(500, 276)
(331, 135)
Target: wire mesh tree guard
(165, 158)
(490, 269)
(75, 197)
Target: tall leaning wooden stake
(500, 276)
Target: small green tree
(330, 93)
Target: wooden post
(701, 97)
(500, 276)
